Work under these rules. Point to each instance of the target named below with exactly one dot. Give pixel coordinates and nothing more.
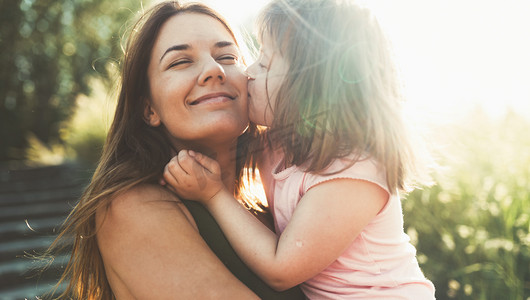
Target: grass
(472, 228)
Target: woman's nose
(212, 71)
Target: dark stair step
(35, 226)
(50, 194)
(33, 204)
(29, 211)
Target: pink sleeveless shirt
(379, 264)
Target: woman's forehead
(190, 29)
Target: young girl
(335, 157)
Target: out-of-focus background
(466, 64)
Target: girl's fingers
(168, 176)
(209, 164)
(185, 161)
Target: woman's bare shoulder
(152, 250)
(142, 203)
(143, 193)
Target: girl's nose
(249, 71)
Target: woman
(182, 87)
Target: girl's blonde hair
(134, 153)
(342, 92)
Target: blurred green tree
(49, 52)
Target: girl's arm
(152, 250)
(327, 220)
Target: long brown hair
(342, 93)
(134, 153)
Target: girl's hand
(193, 176)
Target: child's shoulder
(353, 163)
(350, 167)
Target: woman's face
(198, 89)
(265, 78)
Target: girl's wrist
(217, 199)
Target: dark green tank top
(216, 240)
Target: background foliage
(50, 50)
(472, 229)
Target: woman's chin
(222, 133)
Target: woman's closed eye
(228, 59)
(179, 63)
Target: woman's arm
(327, 220)
(152, 250)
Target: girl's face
(265, 78)
(198, 89)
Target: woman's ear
(150, 115)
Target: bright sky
(454, 54)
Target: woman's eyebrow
(223, 44)
(175, 48)
(182, 47)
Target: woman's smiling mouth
(212, 98)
